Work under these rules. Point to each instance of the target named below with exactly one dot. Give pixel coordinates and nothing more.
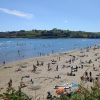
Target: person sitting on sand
(90, 61)
(19, 69)
(82, 78)
(58, 77)
(42, 63)
(22, 84)
(10, 83)
(32, 81)
(69, 92)
(70, 61)
(49, 96)
(82, 66)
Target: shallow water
(15, 49)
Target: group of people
(87, 77)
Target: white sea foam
(84, 39)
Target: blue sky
(47, 14)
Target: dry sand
(44, 80)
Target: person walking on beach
(34, 68)
(57, 68)
(90, 74)
(90, 77)
(48, 66)
(37, 63)
(86, 76)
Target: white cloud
(16, 13)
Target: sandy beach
(41, 74)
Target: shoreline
(39, 57)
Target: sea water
(13, 49)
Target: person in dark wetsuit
(4, 62)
